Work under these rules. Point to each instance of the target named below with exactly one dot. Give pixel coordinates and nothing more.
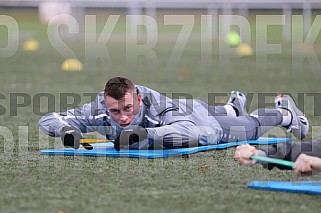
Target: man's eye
(114, 111)
(128, 108)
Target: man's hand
(305, 164)
(243, 154)
(129, 136)
(71, 136)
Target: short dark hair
(117, 87)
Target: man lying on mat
(137, 117)
(306, 154)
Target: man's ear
(140, 99)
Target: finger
(236, 156)
(244, 162)
(308, 168)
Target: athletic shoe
(299, 125)
(238, 101)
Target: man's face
(124, 110)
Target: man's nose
(123, 117)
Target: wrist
(260, 153)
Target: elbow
(41, 121)
(44, 121)
(44, 124)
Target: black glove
(71, 136)
(129, 136)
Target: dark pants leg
(291, 151)
(249, 127)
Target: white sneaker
(299, 125)
(238, 101)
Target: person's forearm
(51, 124)
(180, 134)
(279, 151)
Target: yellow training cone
(71, 64)
(31, 45)
(244, 50)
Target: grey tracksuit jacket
(169, 123)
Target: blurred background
(196, 47)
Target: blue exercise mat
(107, 149)
(305, 187)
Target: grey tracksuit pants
(249, 127)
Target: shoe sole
(235, 95)
(301, 118)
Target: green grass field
(35, 183)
